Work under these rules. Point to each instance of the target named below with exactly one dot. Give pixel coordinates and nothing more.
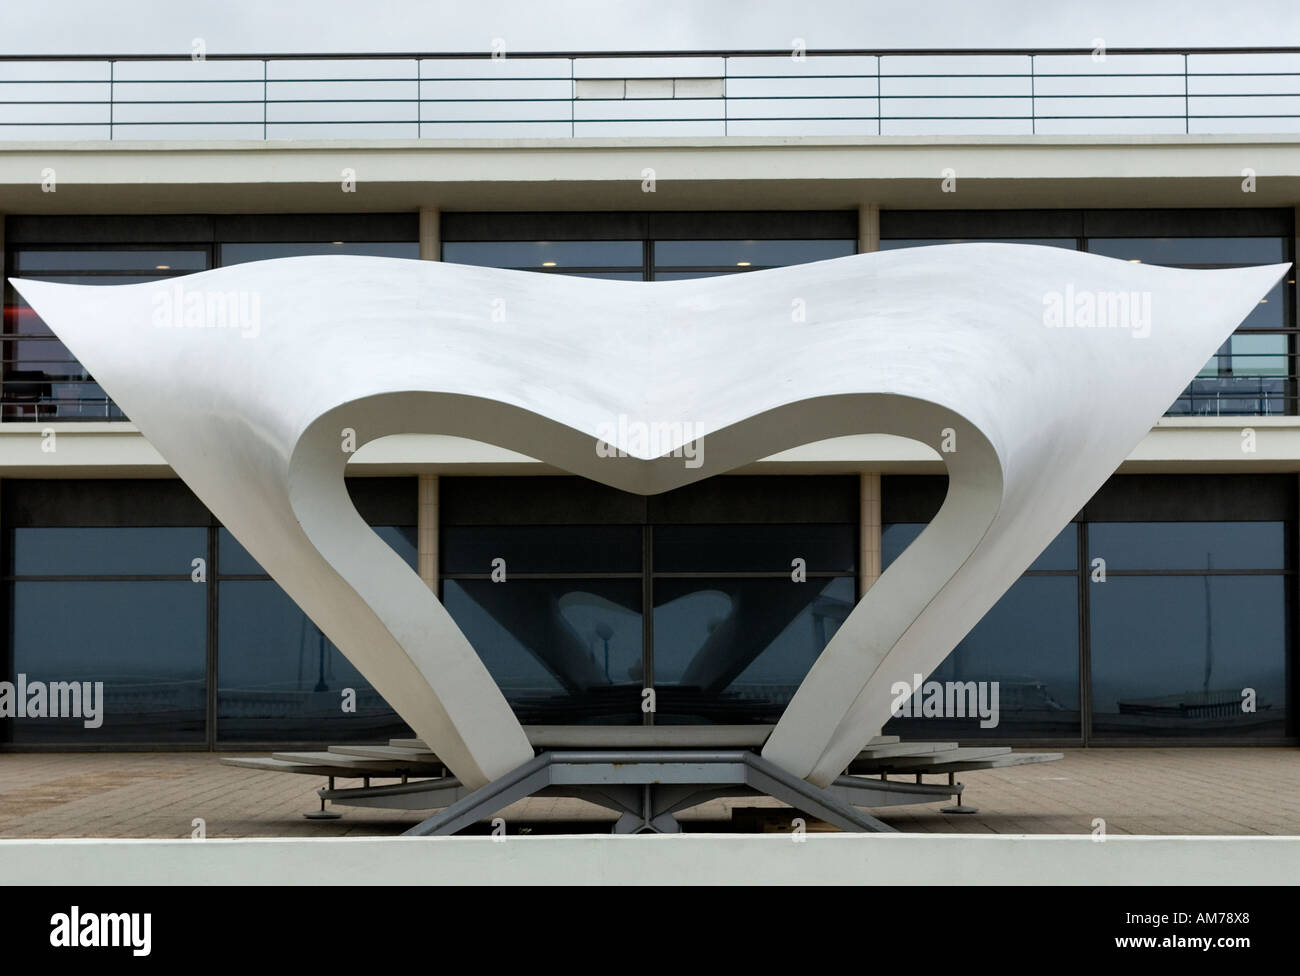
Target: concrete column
(426, 530)
(869, 482)
(427, 525)
(868, 228)
(430, 234)
(868, 530)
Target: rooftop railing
(503, 94)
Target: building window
(112, 608)
(1190, 629)
(133, 584)
(41, 378)
(648, 246)
(676, 260)
(241, 252)
(278, 677)
(694, 593)
(1028, 644)
(1178, 616)
(618, 260)
(1252, 374)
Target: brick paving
(1135, 791)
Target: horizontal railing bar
(120, 123)
(488, 55)
(684, 98)
(729, 77)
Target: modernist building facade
(1168, 602)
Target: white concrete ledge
(116, 449)
(683, 859)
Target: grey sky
(265, 26)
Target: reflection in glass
(42, 379)
(106, 551)
(1189, 655)
(1192, 252)
(279, 677)
(899, 242)
(1061, 553)
(544, 254)
(1188, 545)
(754, 548)
(747, 253)
(107, 259)
(1029, 644)
(562, 651)
(734, 650)
(541, 548)
(243, 253)
(1205, 253)
(145, 640)
(234, 560)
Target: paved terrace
(1230, 791)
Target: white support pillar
(427, 526)
(869, 519)
(868, 530)
(426, 531)
(430, 234)
(868, 228)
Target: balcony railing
(49, 397)
(1043, 91)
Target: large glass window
(41, 379)
(1250, 373)
(554, 611)
(563, 651)
(113, 616)
(620, 260)
(243, 252)
(279, 677)
(98, 592)
(106, 550)
(1069, 243)
(1189, 629)
(676, 260)
(732, 650)
(1023, 656)
(136, 647)
(722, 618)
(741, 612)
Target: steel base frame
(646, 788)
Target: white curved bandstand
(953, 346)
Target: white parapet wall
(681, 859)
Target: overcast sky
(267, 26)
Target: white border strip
(683, 859)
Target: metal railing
(52, 397)
(1044, 91)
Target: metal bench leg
(322, 813)
(958, 789)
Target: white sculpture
(982, 351)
